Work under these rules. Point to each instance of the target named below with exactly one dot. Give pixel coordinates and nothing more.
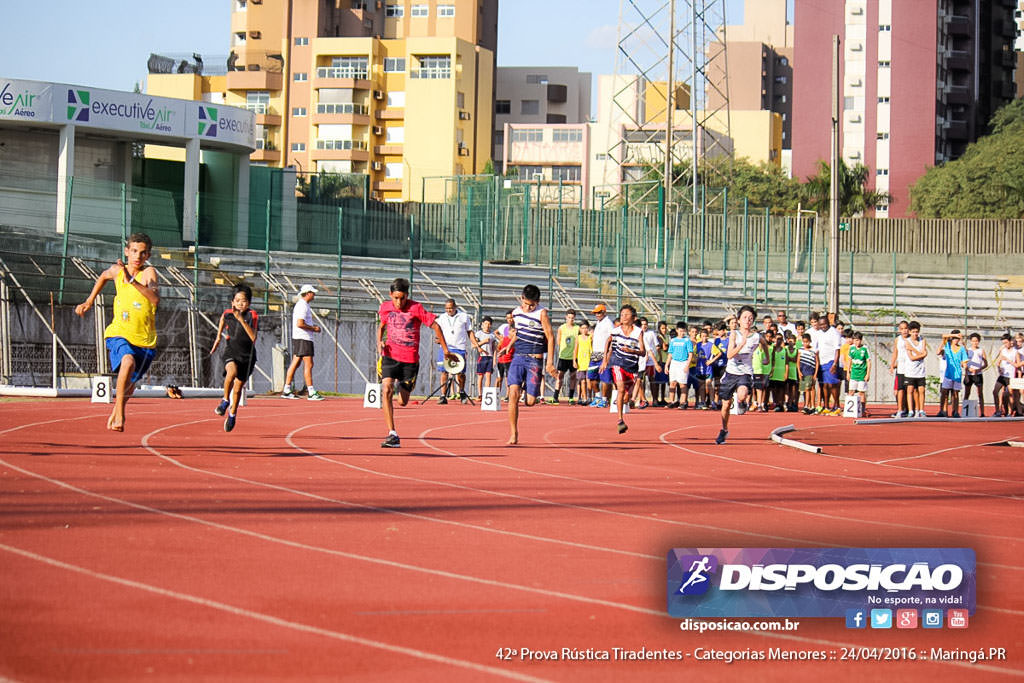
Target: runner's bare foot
(512, 440)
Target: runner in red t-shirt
(400, 354)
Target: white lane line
(268, 618)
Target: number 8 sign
(371, 396)
(489, 399)
(101, 390)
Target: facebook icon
(856, 618)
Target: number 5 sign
(489, 399)
(371, 396)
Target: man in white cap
(302, 344)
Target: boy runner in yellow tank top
(131, 335)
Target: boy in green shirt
(779, 374)
(792, 374)
(859, 370)
(762, 364)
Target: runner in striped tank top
(533, 339)
(624, 349)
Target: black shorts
(717, 371)
(901, 382)
(564, 365)
(914, 381)
(503, 369)
(302, 348)
(971, 380)
(730, 383)
(760, 381)
(244, 365)
(776, 384)
(1005, 381)
(792, 384)
(403, 373)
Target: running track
(295, 548)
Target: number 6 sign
(489, 399)
(371, 396)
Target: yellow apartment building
(400, 90)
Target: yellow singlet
(134, 315)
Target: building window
(257, 101)
(300, 76)
(433, 66)
(884, 64)
(394, 11)
(882, 171)
(529, 107)
(394, 134)
(302, 41)
(780, 79)
(359, 4)
(499, 137)
(298, 146)
(530, 172)
(527, 135)
(570, 173)
(883, 100)
(601, 157)
(396, 98)
(460, 100)
(446, 10)
(567, 135)
(238, 38)
(502, 106)
(419, 11)
(394, 65)
(240, 5)
(885, 28)
(338, 108)
(393, 170)
(783, 61)
(537, 78)
(298, 111)
(882, 136)
(345, 67)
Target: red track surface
(296, 548)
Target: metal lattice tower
(670, 73)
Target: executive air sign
(816, 582)
(146, 115)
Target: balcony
(391, 114)
(341, 77)
(557, 93)
(254, 79)
(265, 154)
(959, 25)
(430, 74)
(342, 112)
(385, 185)
(958, 94)
(394, 149)
(959, 60)
(340, 150)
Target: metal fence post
(789, 261)
(746, 238)
(67, 229)
(967, 272)
(412, 238)
(725, 235)
(266, 241)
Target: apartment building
(919, 79)
(396, 89)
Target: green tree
(854, 195)
(328, 187)
(986, 182)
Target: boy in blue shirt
(680, 348)
(952, 380)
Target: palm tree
(854, 196)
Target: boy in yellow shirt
(131, 335)
(580, 363)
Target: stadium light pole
(833, 220)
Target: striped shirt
(530, 337)
(630, 362)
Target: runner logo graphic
(696, 578)
(207, 122)
(78, 105)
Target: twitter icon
(881, 618)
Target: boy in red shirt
(400, 354)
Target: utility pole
(833, 219)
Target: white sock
(311, 389)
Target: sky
(105, 43)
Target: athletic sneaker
(221, 408)
(315, 396)
(721, 437)
(463, 396)
(392, 441)
(643, 405)
(955, 416)
(572, 401)
(229, 423)
(941, 413)
(551, 401)
(921, 413)
(741, 408)
(673, 404)
(287, 393)
(443, 400)
(622, 427)
(602, 403)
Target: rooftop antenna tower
(670, 75)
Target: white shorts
(858, 385)
(952, 384)
(678, 372)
